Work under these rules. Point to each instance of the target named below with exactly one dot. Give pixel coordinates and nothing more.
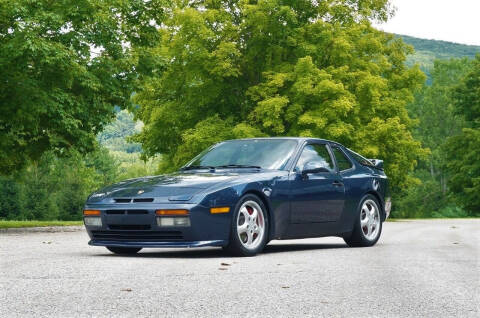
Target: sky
(448, 20)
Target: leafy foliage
(114, 136)
(443, 114)
(435, 110)
(420, 199)
(463, 150)
(281, 68)
(56, 188)
(131, 165)
(65, 64)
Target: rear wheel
(368, 224)
(249, 232)
(124, 250)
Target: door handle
(337, 183)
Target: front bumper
(159, 244)
(135, 225)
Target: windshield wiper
(239, 166)
(198, 167)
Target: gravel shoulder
(37, 229)
(419, 268)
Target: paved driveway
(418, 268)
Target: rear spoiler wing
(377, 163)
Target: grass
(19, 224)
(426, 219)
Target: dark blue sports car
(240, 194)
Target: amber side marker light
(224, 209)
(91, 212)
(171, 212)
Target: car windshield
(262, 153)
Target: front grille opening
(137, 212)
(143, 236)
(140, 200)
(115, 212)
(129, 227)
(122, 200)
(130, 212)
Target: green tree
(10, 204)
(55, 188)
(434, 109)
(37, 195)
(114, 136)
(229, 69)
(463, 150)
(65, 64)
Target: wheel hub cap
(250, 224)
(370, 220)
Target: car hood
(164, 188)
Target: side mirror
(314, 167)
(377, 163)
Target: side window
(342, 160)
(315, 153)
(360, 159)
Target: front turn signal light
(91, 212)
(171, 212)
(224, 209)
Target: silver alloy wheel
(250, 225)
(370, 220)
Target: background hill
(427, 51)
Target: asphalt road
(418, 269)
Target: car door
(319, 195)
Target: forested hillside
(441, 49)
(427, 51)
(440, 123)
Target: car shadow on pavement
(219, 253)
(279, 248)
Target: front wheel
(368, 224)
(249, 232)
(123, 250)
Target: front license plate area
(124, 219)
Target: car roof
(289, 138)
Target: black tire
(124, 250)
(358, 238)
(235, 246)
